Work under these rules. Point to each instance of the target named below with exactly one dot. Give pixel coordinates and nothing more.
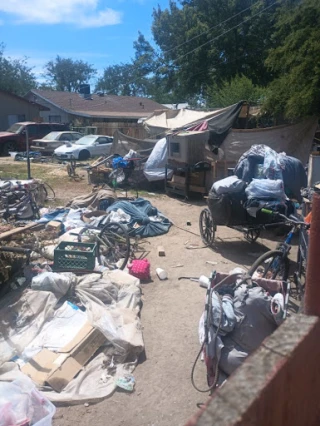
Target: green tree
(240, 88)
(117, 80)
(15, 74)
(67, 75)
(207, 42)
(295, 92)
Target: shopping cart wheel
(207, 227)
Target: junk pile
(240, 312)
(69, 314)
(262, 179)
(118, 170)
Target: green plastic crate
(70, 255)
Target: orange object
(308, 218)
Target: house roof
(13, 95)
(107, 106)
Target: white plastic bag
(230, 184)
(22, 404)
(154, 168)
(266, 189)
(58, 284)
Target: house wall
(12, 110)
(54, 115)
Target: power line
(225, 32)
(204, 44)
(211, 28)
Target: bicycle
(113, 244)
(275, 264)
(17, 201)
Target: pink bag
(140, 268)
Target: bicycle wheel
(207, 227)
(271, 265)
(113, 246)
(252, 235)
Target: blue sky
(100, 32)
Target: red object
(140, 268)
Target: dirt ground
(171, 310)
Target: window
(44, 129)
(103, 141)
(66, 137)
(174, 149)
(54, 118)
(76, 136)
(32, 130)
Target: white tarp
(295, 140)
(161, 121)
(154, 168)
(112, 305)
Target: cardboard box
(58, 369)
(54, 227)
(178, 179)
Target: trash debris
(60, 367)
(161, 251)
(21, 404)
(140, 268)
(211, 262)
(127, 382)
(162, 274)
(204, 281)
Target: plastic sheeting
(112, 305)
(219, 121)
(150, 222)
(154, 168)
(22, 317)
(122, 144)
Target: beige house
(13, 108)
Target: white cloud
(81, 13)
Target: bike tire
(282, 265)
(116, 247)
(207, 227)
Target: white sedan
(53, 140)
(84, 148)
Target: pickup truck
(14, 139)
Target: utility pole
(28, 150)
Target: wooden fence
(279, 385)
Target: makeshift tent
(219, 121)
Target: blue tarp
(58, 214)
(140, 211)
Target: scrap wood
(34, 226)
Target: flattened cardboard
(40, 366)
(58, 369)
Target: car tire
(84, 155)
(9, 146)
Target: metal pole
(312, 293)
(28, 150)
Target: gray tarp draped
(123, 143)
(219, 121)
(294, 139)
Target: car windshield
(86, 140)
(15, 128)
(51, 136)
